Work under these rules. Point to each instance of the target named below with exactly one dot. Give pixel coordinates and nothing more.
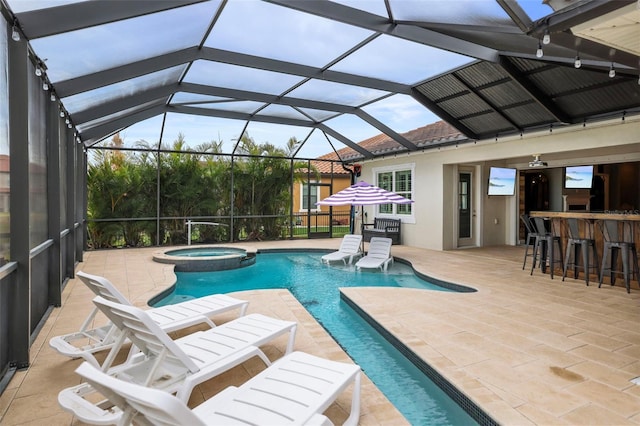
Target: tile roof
(435, 134)
(325, 167)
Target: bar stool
(530, 239)
(544, 250)
(618, 237)
(580, 239)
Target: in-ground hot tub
(206, 258)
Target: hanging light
(45, 85)
(577, 63)
(61, 113)
(53, 96)
(67, 121)
(38, 70)
(612, 71)
(539, 52)
(546, 39)
(15, 34)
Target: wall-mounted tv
(579, 177)
(502, 181)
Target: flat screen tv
(502, 181)
(579, 177)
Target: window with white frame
(398, 179)
(309, 194)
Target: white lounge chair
(378, 256)
(172, 365)
(295, 390)
(87, 341)
(348, 251)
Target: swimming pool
(316, 287)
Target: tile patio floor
(527, 349)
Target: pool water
(316, 287)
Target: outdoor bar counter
(634, 217)
(592, 217)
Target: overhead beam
(386, 130)
(121, 104)
(576, 14)
(594, 49)
(234, 115)
(163, 92)
(345, 140)
(440, 112)
(560, 25)
(484, 99)
(268, 64)
(147, 66)
(533, 91)
(375, 23)
(126, 72)
(516, 13)
(266, 98)
(78, 15)
(100, 131)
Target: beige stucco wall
(436, 171)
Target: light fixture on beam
(612, 71)
(539, 52)
(546, 39)
(15, 33)
(577, 63)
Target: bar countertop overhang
(631, 216)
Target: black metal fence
(143, 232)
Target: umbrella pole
(362, 226)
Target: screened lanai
(82, 80)
(215, 70)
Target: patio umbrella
(363, 194)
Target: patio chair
(295, 390)
(87, 341)
(378, 256)
(172, 365)
(348, 251)
(530, 238)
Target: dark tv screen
(502, 181)
(579, 177)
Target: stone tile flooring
(525, 348)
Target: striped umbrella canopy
(363, 194)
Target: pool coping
(459, 397)
(244, 256)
